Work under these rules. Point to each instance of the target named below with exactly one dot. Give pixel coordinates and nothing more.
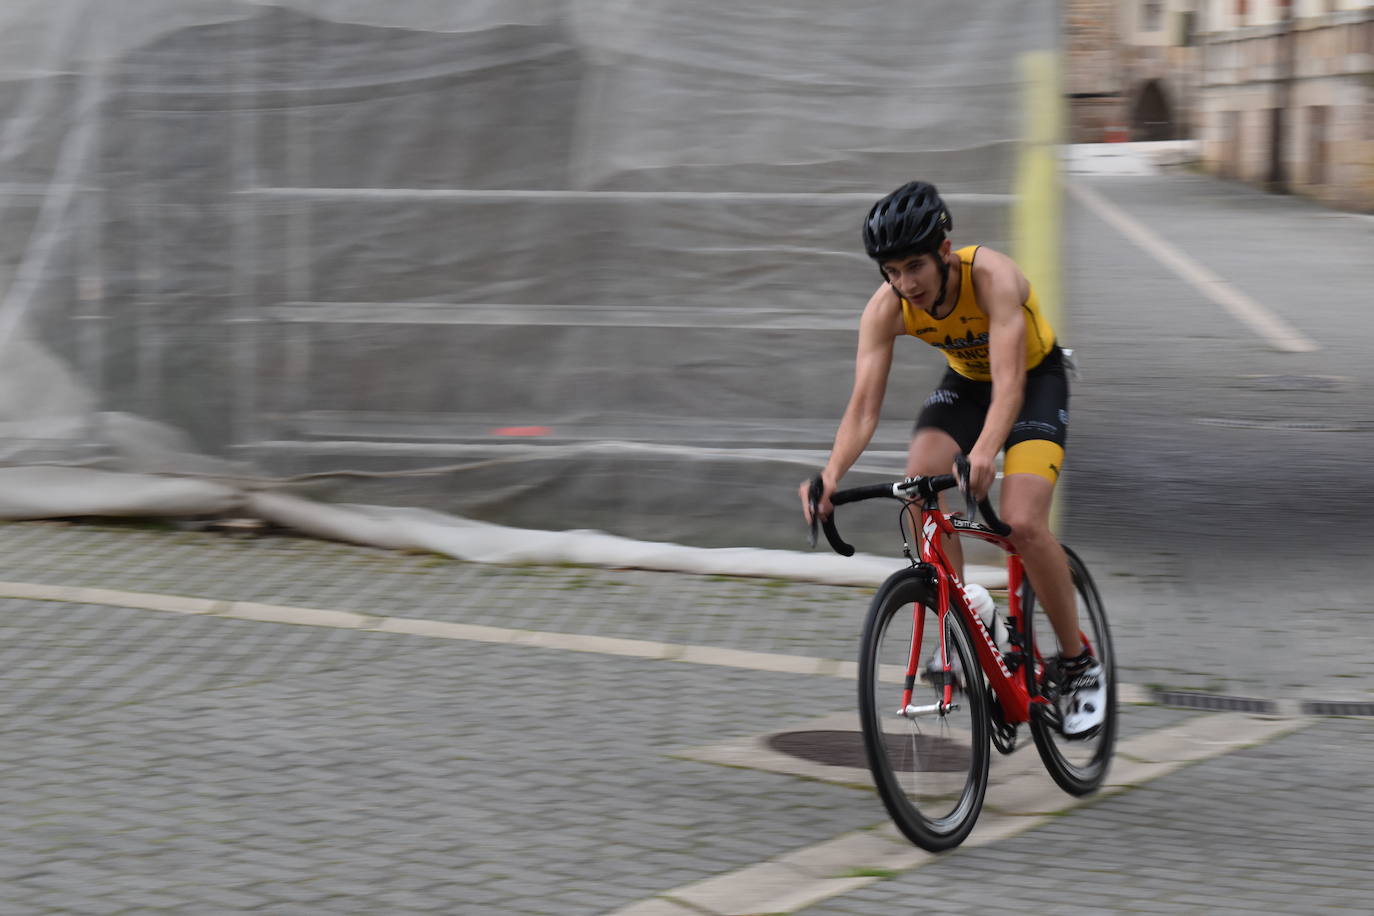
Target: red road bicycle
(935, 689)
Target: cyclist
(1006, 386)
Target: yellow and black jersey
(962, 335)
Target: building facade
(1132, 69)
(1279, 93)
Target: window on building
(1152, 15)
(1187, 29)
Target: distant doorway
(1230, 145)
(1153, 117)
(1278, 175)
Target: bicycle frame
(1010, 689)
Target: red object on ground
(521, 431)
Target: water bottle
(986, 609)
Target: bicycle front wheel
(1078, 765)
(930, 761)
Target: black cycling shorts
(1036, 443)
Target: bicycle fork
(913, 665)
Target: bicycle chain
(1003, 734)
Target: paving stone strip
(766, 615)
(439, 629)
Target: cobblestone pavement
(168, 763)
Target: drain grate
(846, 749)
(1337, 708)
(1214, 701)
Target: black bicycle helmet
(911, 220)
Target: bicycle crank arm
(935, 709)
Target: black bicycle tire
(1073, 779)
(934, 835)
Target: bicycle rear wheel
(1078, 765)
(931, 769)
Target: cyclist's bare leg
(1025, 506)
(932, 452)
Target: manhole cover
(846, 749)
(1305, 426)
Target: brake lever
(962, 471)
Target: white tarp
(558, 264)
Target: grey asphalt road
(1222, 489)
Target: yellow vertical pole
(1038, 209)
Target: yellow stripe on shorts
(1034, 456)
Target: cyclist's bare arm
(1001, 290)
(878, 328)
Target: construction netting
(554, 264)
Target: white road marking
(1278, 333)
(435, 629)
(718, 656)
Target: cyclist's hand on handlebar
(824, 505)
(982, 473)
